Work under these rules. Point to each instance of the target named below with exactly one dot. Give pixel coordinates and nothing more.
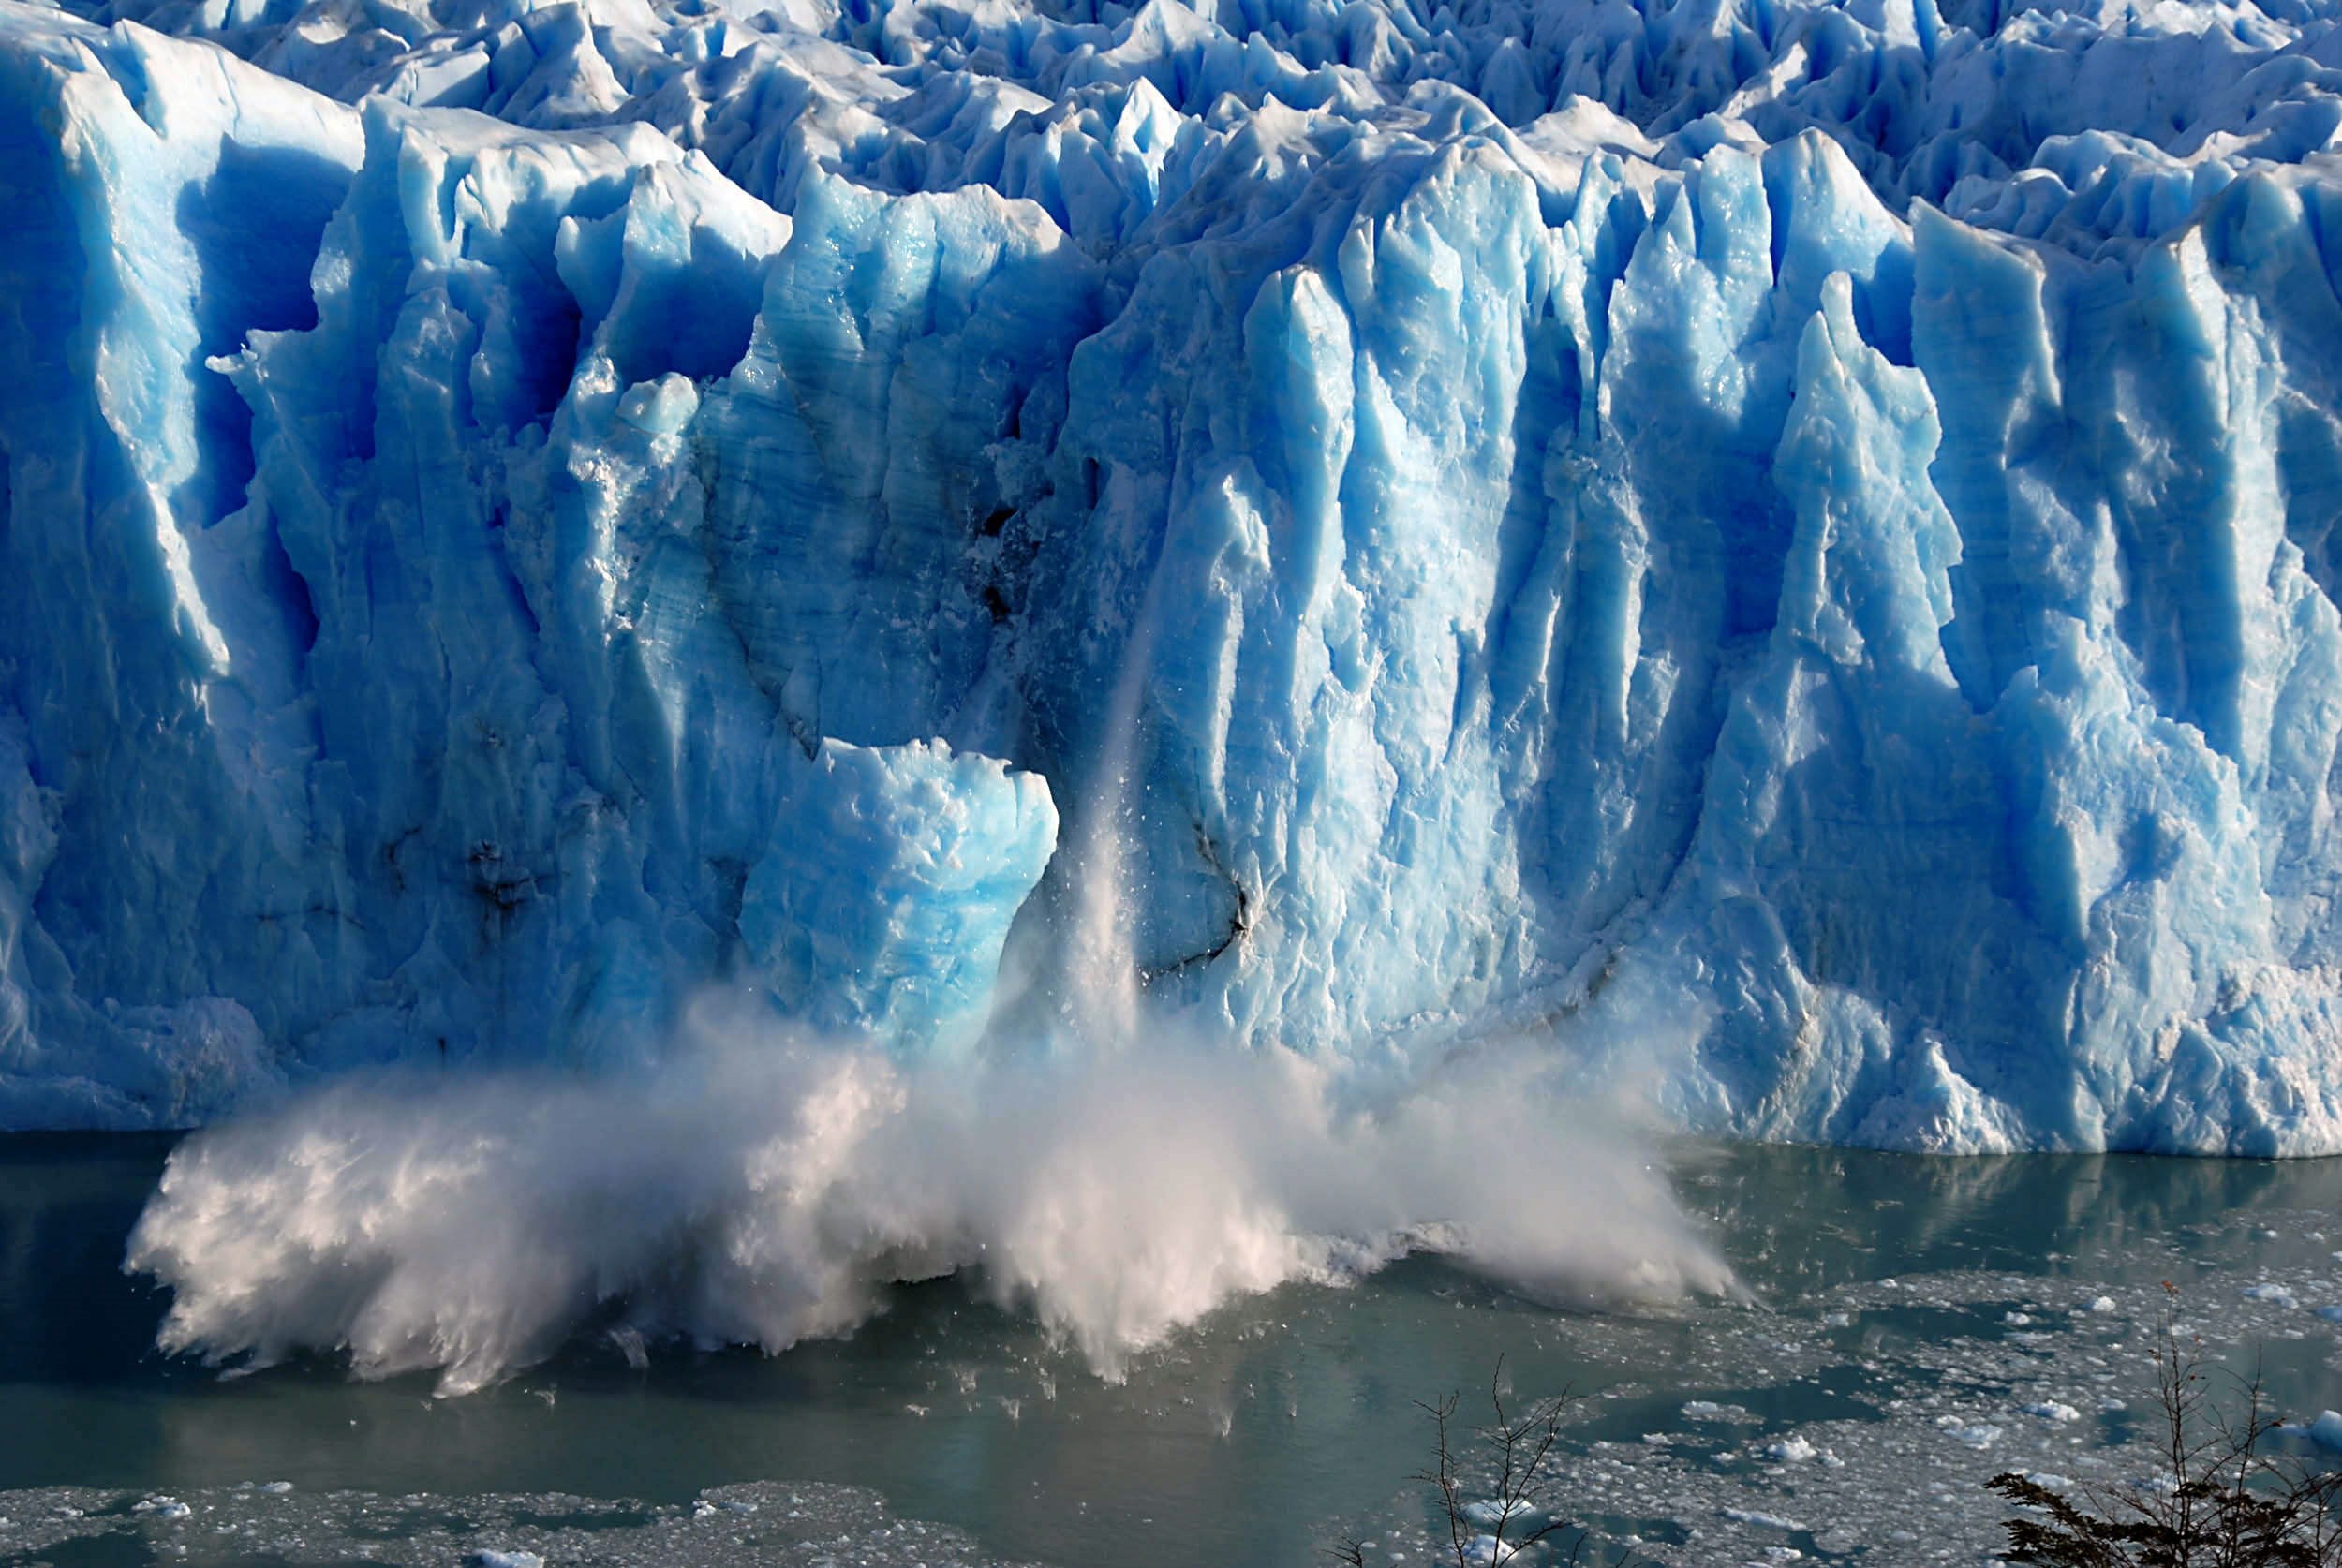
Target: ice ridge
(1787, 545)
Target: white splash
(762, 1190)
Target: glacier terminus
(1786, 546)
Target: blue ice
(1786, 546)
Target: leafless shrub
(1520, 1515)
(2222, 1502)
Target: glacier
(1783, 547)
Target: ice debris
(768, 1525)
(1981, 1434)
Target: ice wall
(1782, 545)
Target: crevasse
(1785, 545)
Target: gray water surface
(1917, 1325)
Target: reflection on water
(1806, 1216)
(1250, 1439)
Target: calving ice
(1784, 549)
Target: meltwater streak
(761, 1191)
(1098, 979)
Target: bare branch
(2226, 1503)
(1524, 1447)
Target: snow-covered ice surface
(1789, 544)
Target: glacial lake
(1916, 1326)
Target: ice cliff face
(1787, 544)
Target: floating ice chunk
(1761, 1520)
(2273, 1296)
(2053, 1411)
(1974, 1434)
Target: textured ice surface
(1866, 1415)
(1788, 543)
(801, 1525)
